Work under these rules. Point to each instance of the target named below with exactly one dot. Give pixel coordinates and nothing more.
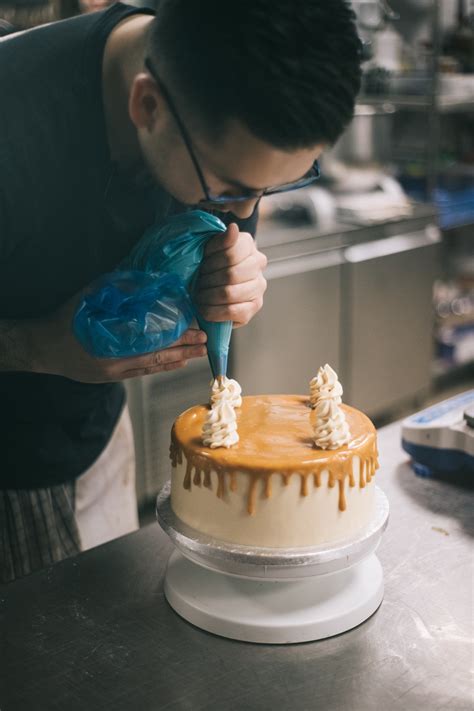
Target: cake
(275, 487)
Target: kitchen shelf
(444, 104)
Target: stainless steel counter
(95, 632)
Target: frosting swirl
(325, 386)
(331, 430)
(220, 426)
(226, 388)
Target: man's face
(232, 164)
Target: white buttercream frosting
(226, 388)
(325, 386)
(331, 430)
(220, 427)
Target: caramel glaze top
(276, 438)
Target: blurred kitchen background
(371, 271)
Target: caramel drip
(351, 476)
(268, 486)
(187, 477)
(251, 506)
(221, 484)
(304, 485)
(174, 454)
(369, 469)
(342, 496)
(275, 437)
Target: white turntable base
(270, 611)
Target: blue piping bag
(177, 247)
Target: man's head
(260, 87)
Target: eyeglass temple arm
(181, 127)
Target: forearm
(15, 350)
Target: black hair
(288, 69)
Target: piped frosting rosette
(331, 430)
(226, 388)
(325, 386)
(220, 427)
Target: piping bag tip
(218, 363)
(218, 341)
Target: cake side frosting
(276, 440)
(285, 520)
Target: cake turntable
(270, 595)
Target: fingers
(139, 372)
(240, 313)
(223, 240)
(191, 337)
(231, 284)
(247, 270)
(161, 360)
(232, 293)
(229, 256)
(104, 370)
(190, 345)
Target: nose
(243, 209)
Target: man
(108, 122)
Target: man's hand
(231, 284)
(48, 345)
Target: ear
(145, 104)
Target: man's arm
(48, 345)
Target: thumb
(223, 240)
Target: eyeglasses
(308, 179)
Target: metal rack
(431, 102)
(435, 107)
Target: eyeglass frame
(312, 176)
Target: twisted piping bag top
(177, 246)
